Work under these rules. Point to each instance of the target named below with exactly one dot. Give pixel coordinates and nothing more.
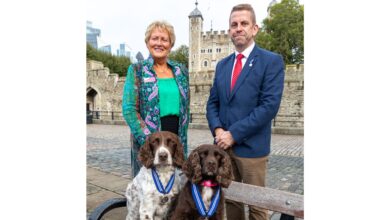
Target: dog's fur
(206, 162)
(163, 151)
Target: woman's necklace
(163, 72)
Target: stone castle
(104, 90)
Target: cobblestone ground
(108, 150)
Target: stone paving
(108, 151)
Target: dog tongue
(209, 183)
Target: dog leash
(199, 202)
(158, 183)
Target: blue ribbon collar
(158, 183)
(199, 202)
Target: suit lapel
(227, 69)
(244, 72)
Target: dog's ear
(145, 155)
(192, 167)
(178, 155)
(225, 170)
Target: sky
(125, 21)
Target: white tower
(196, 27)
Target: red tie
(237, 70)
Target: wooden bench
(284, 202)
(289, 204)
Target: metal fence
(103, 115)
(117, 115)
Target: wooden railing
(271, 199)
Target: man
(244, 98)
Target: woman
(156, 92)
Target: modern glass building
(92, 35)
(106, 49)
(122, 51)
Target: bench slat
(271, 199)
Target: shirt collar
(247, 51)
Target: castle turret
(272, 3)
(196, 26)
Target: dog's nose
(163, 156)
(211, 162)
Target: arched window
(205, 63)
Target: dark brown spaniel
(208, 168)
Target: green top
(169, 96)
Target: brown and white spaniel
(208, 168)
(155, 188)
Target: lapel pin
(250, 64)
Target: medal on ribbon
(158, 184)
(199, 202)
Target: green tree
(282, 32)
(116, 64)
(180, 55)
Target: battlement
(294, 73)
(219, 35)
(97, 69)
(94, 65)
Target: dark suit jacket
(248, 110)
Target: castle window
(205, 63)
(218, 50)
(209, 50)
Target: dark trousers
(170, 123)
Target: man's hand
(218, 132)
(225, 140)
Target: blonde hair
(163, 25)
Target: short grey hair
(246, 7)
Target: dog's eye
(170, 142)
(156, 141)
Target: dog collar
(209, 183)
(199, 202)
(159, 185)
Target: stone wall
(291, 111)
(104, 90)
(104, 93)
